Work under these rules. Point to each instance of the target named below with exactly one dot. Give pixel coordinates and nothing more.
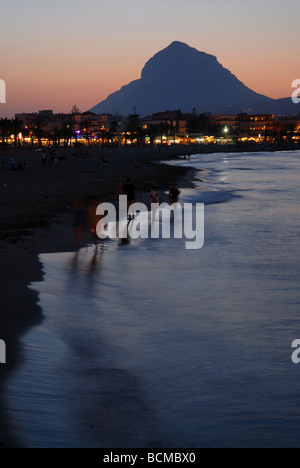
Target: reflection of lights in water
(117, 331)
(224, 179)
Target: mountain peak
(179, 45)
(182, 48)
(182, 77)
(174, 59)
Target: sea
(150, 345)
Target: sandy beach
(149, 227)
(35, 218)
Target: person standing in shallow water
(174, 194)
(79, 216)
(129, 191)
(154, 195)
(94, 219)
(154, 199)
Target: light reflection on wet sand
(149, 345)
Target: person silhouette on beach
(125, 238)
(154, 195)
(174, 194)
(52, 156)
(44, 158)
(154, 199)
(79, 215)
(12, 165)
(94, 220)
(129, 191)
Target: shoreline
(46, 229)
(35, 220)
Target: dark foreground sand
(35, 218)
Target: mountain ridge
(182, 77)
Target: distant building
(48, 120)
(169, 127)
(224, 121)
(86, 121)
(171, 121)
(89, 122)
(117, 123)
(255, 125)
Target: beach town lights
(158, 129)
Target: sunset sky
(65, 52)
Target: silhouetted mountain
(180, 77)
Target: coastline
(37, 221)
(34, 222)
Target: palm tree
(75, 110)
(86, 124)
(153, 131)
(85, 127)
(68, 129)
(164, 130)
(17, 128)
(5, 126)
(54, 136)
(38, 128)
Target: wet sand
(35, 218)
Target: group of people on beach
(49, 158)
(14, 166)
(85, 217)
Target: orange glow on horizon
(57, 54)
(44, 84)
(35, 91)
